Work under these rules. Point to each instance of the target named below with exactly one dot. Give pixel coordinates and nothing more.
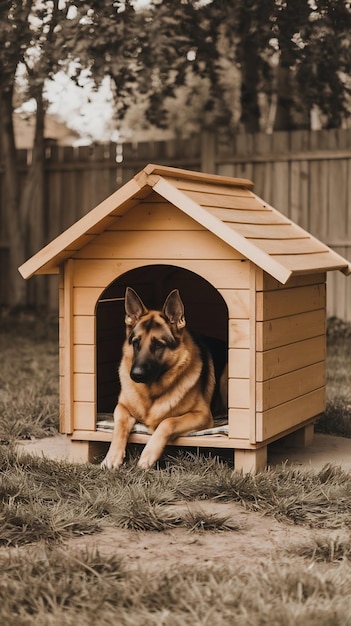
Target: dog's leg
(169, 429)
(124, 423)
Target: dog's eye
(158, 345)
(136, 344)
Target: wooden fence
(305, 175)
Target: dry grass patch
(326, 549)
(57, 588)
(28, 378)
(46, 500)
(337, 417)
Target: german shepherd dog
(167, 379)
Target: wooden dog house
(247, 275)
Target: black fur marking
(167, 336)
(157, 345)
(150, 325)
(131, 337)
(171, 342)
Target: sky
(85, 110)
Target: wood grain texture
(264, 282)
(223, 274)
(84, 415)
(287, 358)
(67, 394)
(274, 304)
(159, 245)
(286, 330)
(286, 387)
(290, 414)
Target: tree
(293, 54)
(146, 52)
(296, 53)
(323, 64)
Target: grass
(43, 500)
(337, 417)
(28, 378)
(46, 500)
(327, 550)
(62, 589)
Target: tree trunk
(291, 113)
(284, 112)
(250, 110)
(14, 226)
(32, 200)
(23, 202)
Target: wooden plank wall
(304, 174)
(291, 347)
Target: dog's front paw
(146, 461)
(145, 465)
(112, 460)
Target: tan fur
(171, 406)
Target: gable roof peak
(175, 172)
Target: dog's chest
(150, 410)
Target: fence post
(208, 152)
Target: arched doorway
(206, 313)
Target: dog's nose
(138, 374)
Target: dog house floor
(105, 423)
(87, 445)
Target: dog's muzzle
(147, 373)
(139, 374)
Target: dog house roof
(226, 206)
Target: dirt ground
(258, 539)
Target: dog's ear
(173, 309)
(134, 307)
